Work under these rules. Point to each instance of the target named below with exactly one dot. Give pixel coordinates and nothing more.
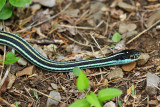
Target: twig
(77, 27)
(44, 41)
(75, 41)
(143, 32)
(6, 102)
(95, 39)
(48, 96)
(5, 76)
(29, 27)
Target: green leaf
(116, 37)
(112, 46)
(80, 103)
(108, 93)
(82, 82)
(19, 3)
(16, 104)
(92, 99)
(35, 94)
(119, 103)
(55, 25)
(133, 89)
(5, 13)
(2, 3)
(76, 71)
(54, 50)
(11, 58)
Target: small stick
(143, 32)
(77, 27)
(76, 41)
(48, 96)
(6, 102)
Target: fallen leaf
(26, 71)
(12, 79)
(126, 6)
(47, 3)
(153, 18)
(72, 12)
(129, 67)
(126, 27)
(129, 90)
(40, 50)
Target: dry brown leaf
(12, 78)
(26, 71)
(47, 3)
(153, 18)
(129, 67)
(129, 90)
(152, 6)
(126, 6)
(4, 86)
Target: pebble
(22, 62)
(143, 59)
(55, 95)
(54, 86)
(110, 104)
(152, 82)
(116, 73)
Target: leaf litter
(78, 22)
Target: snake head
(131, 54)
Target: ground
(83, 31)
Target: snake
(33, 56)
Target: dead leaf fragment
(26, 71)
(126, 6)
(127, 27)
(129, 67)
(129, 90)
(40, 50)
(47, 3)
(72, 12)
(153, 18)
(12, 78)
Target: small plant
(116, 37)
(10, 58)
(6, 7)
(16, 104)
(91, 98)
(35, 94)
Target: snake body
(34, 57)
